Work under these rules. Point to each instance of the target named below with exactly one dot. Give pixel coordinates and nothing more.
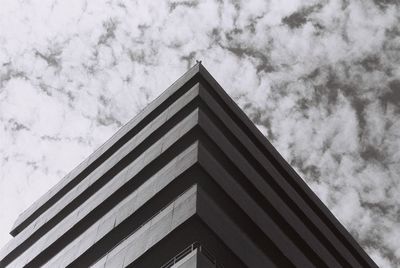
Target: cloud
(319, 78)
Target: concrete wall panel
(130, 205)
(162, 102)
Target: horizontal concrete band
(115, 187)
(193, 229)
(129, 152)
(329, 235)
(286, 170)
(222, 140)
(165, 186)
(209, 212)
(285, 243)
(162, 102)
(183, 208)
(124, 209)
(274, 187)
(178, 184)
(133, 204)
(269, 164)
(60, 231)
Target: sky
(319, 78)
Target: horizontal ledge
(156, 151)
(172, 93)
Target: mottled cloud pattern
(321, 79)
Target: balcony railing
(195, 246)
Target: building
(189, 182)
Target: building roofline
(53, 195)
(196, 74)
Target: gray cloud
(319, 78)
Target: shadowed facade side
(189, 182)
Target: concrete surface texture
(190, 169)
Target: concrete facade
(190, 169)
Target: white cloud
(314, 76)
